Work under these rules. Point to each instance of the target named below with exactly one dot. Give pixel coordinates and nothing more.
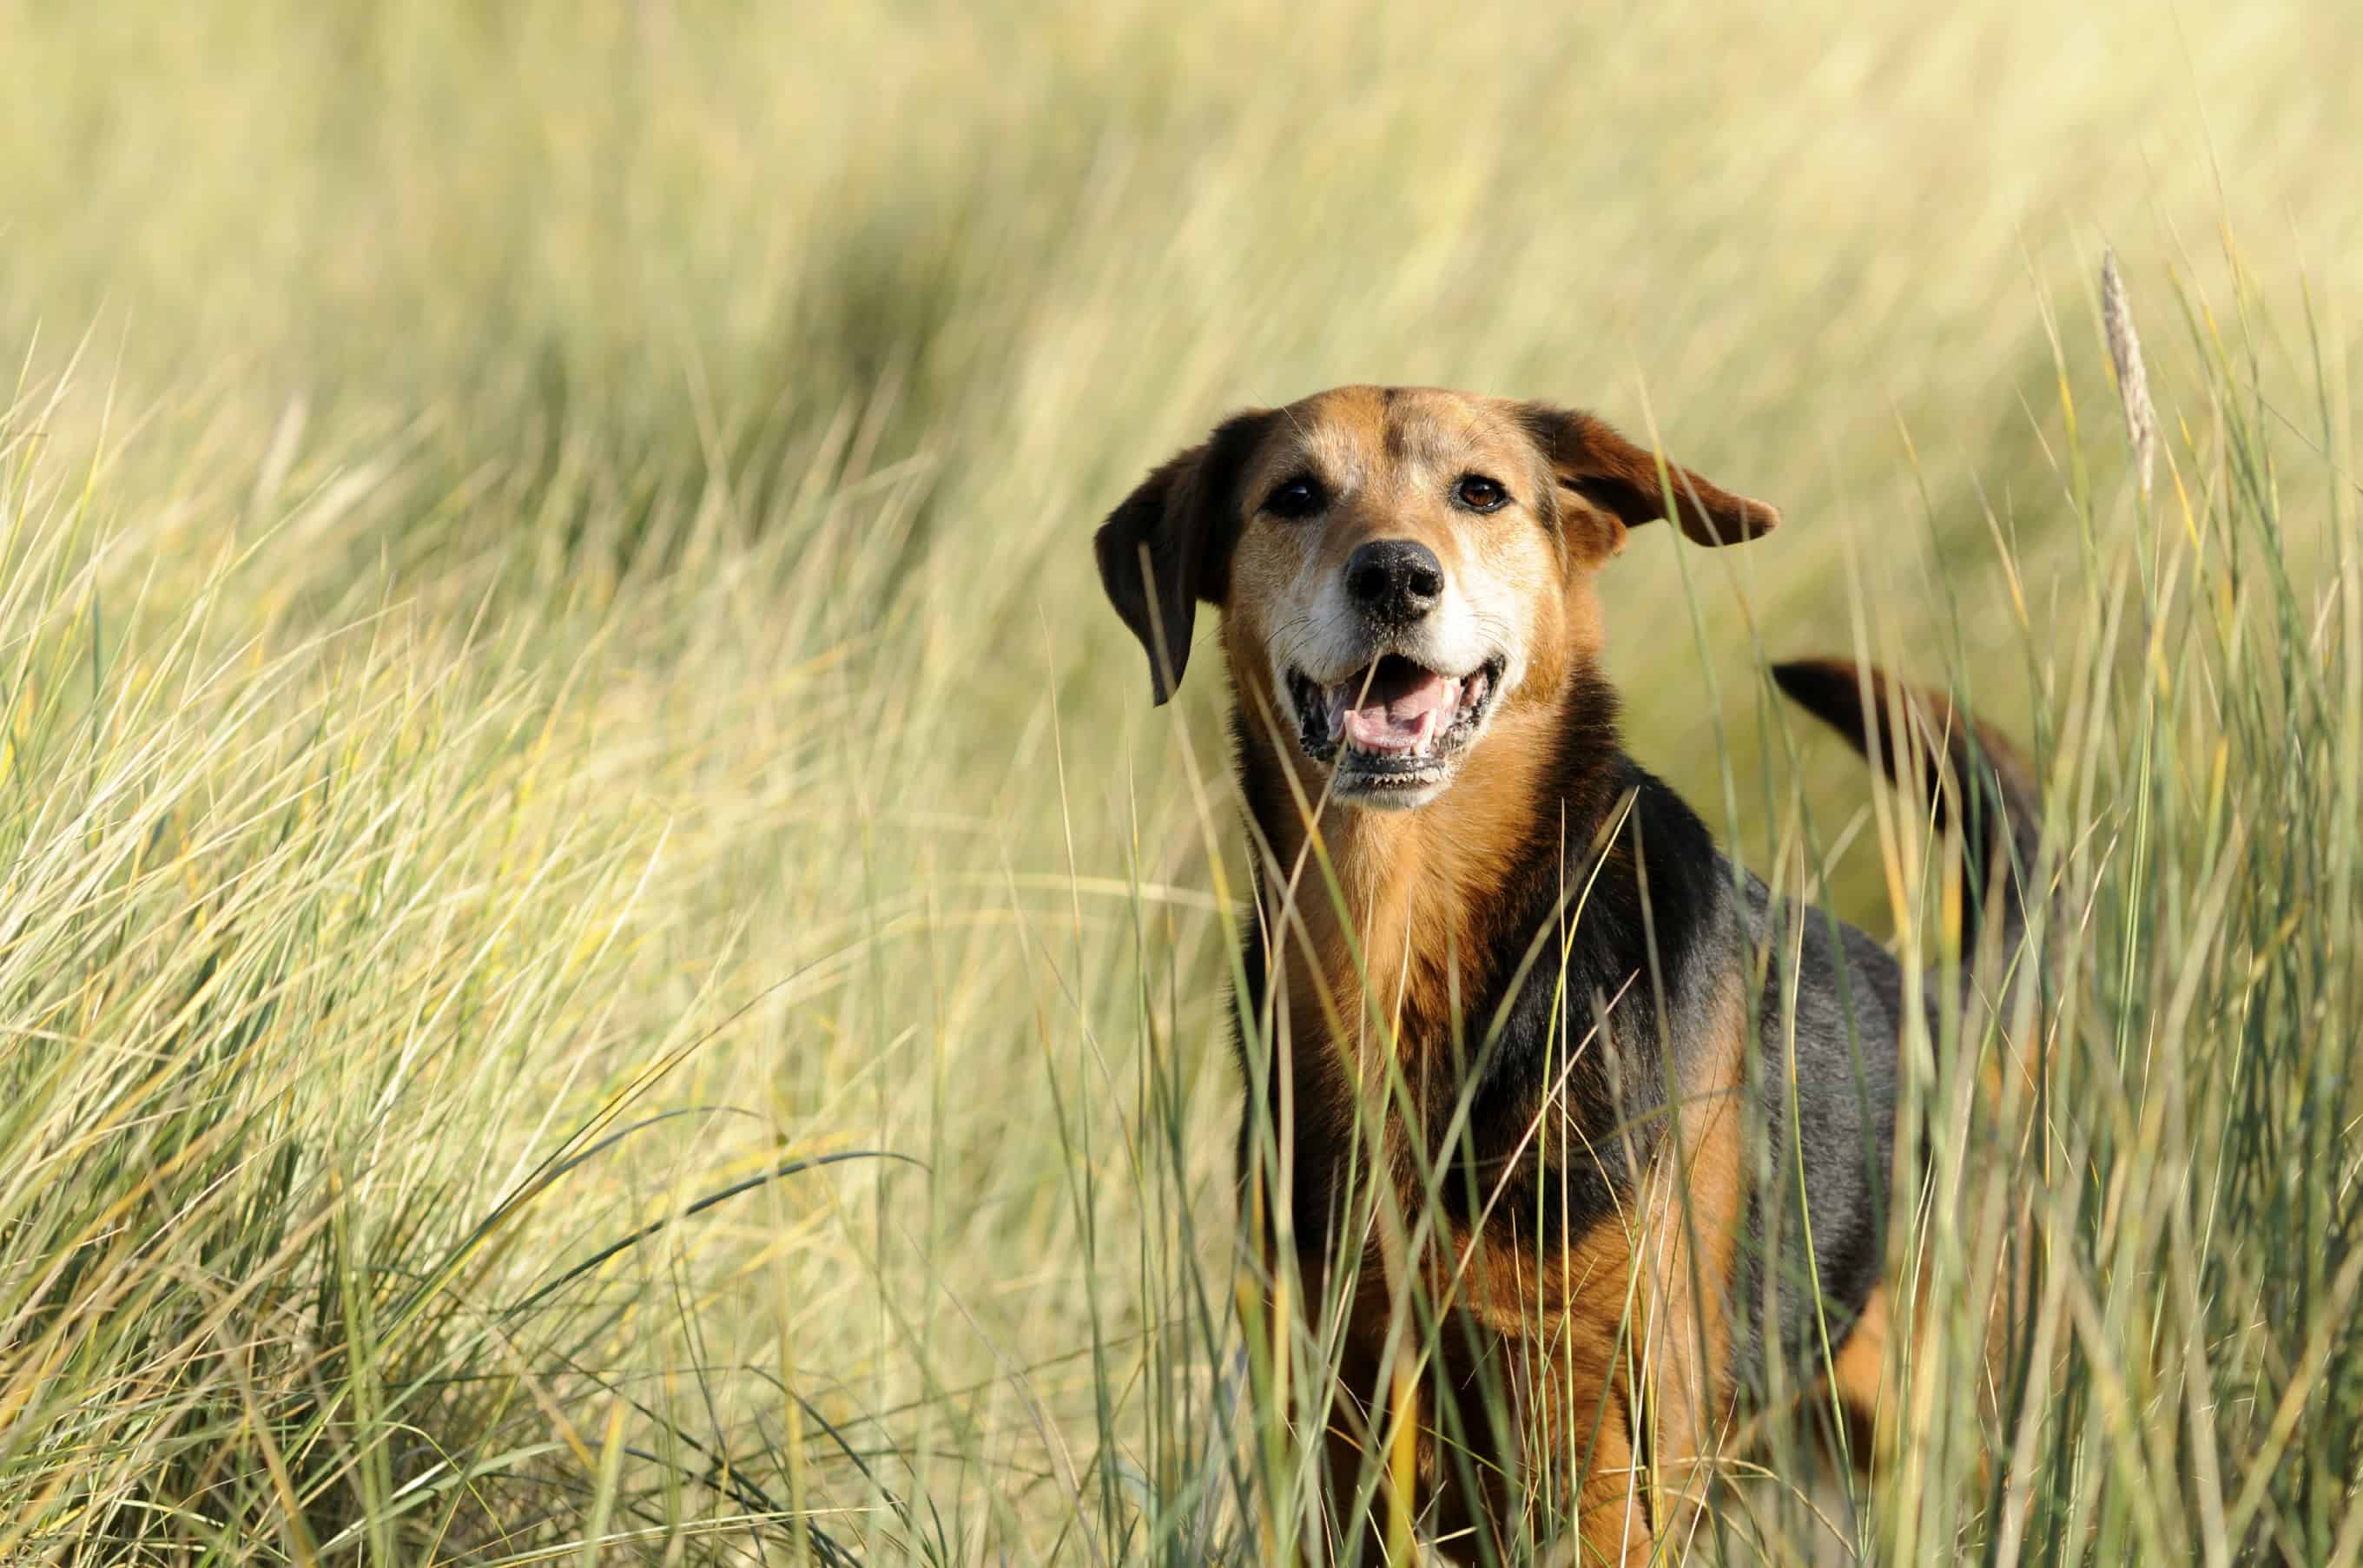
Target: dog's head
(1396, 566)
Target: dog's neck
(1431, 907)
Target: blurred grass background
(546, 590)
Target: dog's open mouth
(1394, 723)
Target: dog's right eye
(1298, 497)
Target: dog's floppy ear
(1621, 479)
(1169, 545)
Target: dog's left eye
(1478, 494)
(1298, 497)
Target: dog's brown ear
(1613, 474)
(1169, 545)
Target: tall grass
(602, 958)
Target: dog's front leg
(1372, 1448)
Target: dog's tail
(1950, 755)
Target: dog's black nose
(1394, 580)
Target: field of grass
(602, 958)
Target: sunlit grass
(602, 956)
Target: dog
(1522, 1106)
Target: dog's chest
(1398, 1053)
(1509, 1078)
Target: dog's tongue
(1403, 708)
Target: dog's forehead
(1352, 433)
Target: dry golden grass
(547, 602)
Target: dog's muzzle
(1394, 724)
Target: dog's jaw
(1392, 734)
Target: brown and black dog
(1522, 1104)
